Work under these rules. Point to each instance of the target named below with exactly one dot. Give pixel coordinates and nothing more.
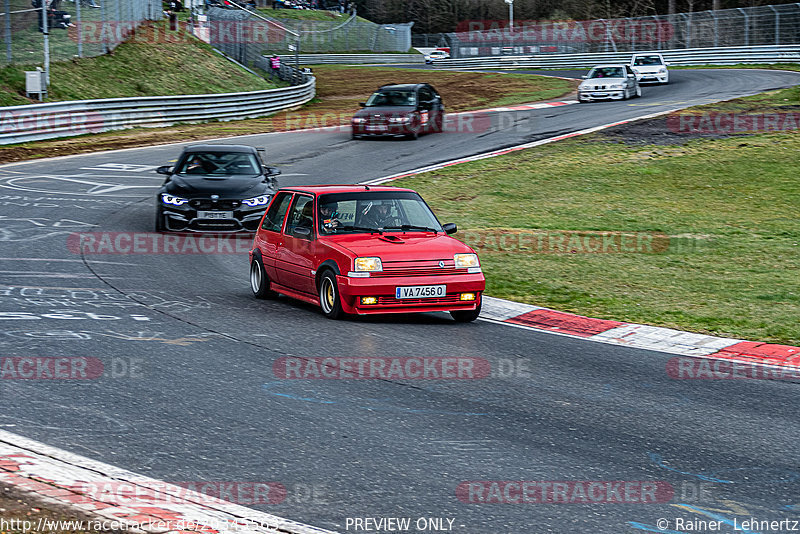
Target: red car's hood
(398, 246)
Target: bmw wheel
(160, 226)
(329, 298)
(259, 281)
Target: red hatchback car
(361, 250)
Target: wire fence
(247, 36)
(76, 28)
(761, 25)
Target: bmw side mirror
(271, 171)
(584, 76)
(450, 228)
(164, 169)
(362, 104)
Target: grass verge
(339, 89)
(153, 62)
(726, 206)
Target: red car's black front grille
(418, 268)
(433, 301)
(418, 271)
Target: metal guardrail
(683, 56)
(359, 59)
(19, 124)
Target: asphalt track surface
(204, 404)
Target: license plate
(376, 128)
(420, 292)
(600, 95)
(215, 215)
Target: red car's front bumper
(352, 289)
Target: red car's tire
(329, 299)
(259, 281)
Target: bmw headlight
(171, 199)
(662, 70)
(399, 119)
(359, 120)
(368, 264)
(466, 260)
(615, 86)
(256, 201)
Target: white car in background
(436, 54)
(650, 68)
(609, 82)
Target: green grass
(154, 63)
(729, 207)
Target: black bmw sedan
(400, 109)
(216, 188)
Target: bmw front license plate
(215, 215)
(376, 128)
(420, 292)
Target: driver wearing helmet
(378, 214)
(329, 217)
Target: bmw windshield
(606, 72)
(219, 164)
(392, 98)
(380, 211)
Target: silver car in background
(650, 68)
(609, 82)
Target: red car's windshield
(377, 211)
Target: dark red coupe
(363, 249)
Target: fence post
(8, 30)
(746, 26)
(688, 42)
(103, 26)
(80, 32)
(777, 26)
(716, 28)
